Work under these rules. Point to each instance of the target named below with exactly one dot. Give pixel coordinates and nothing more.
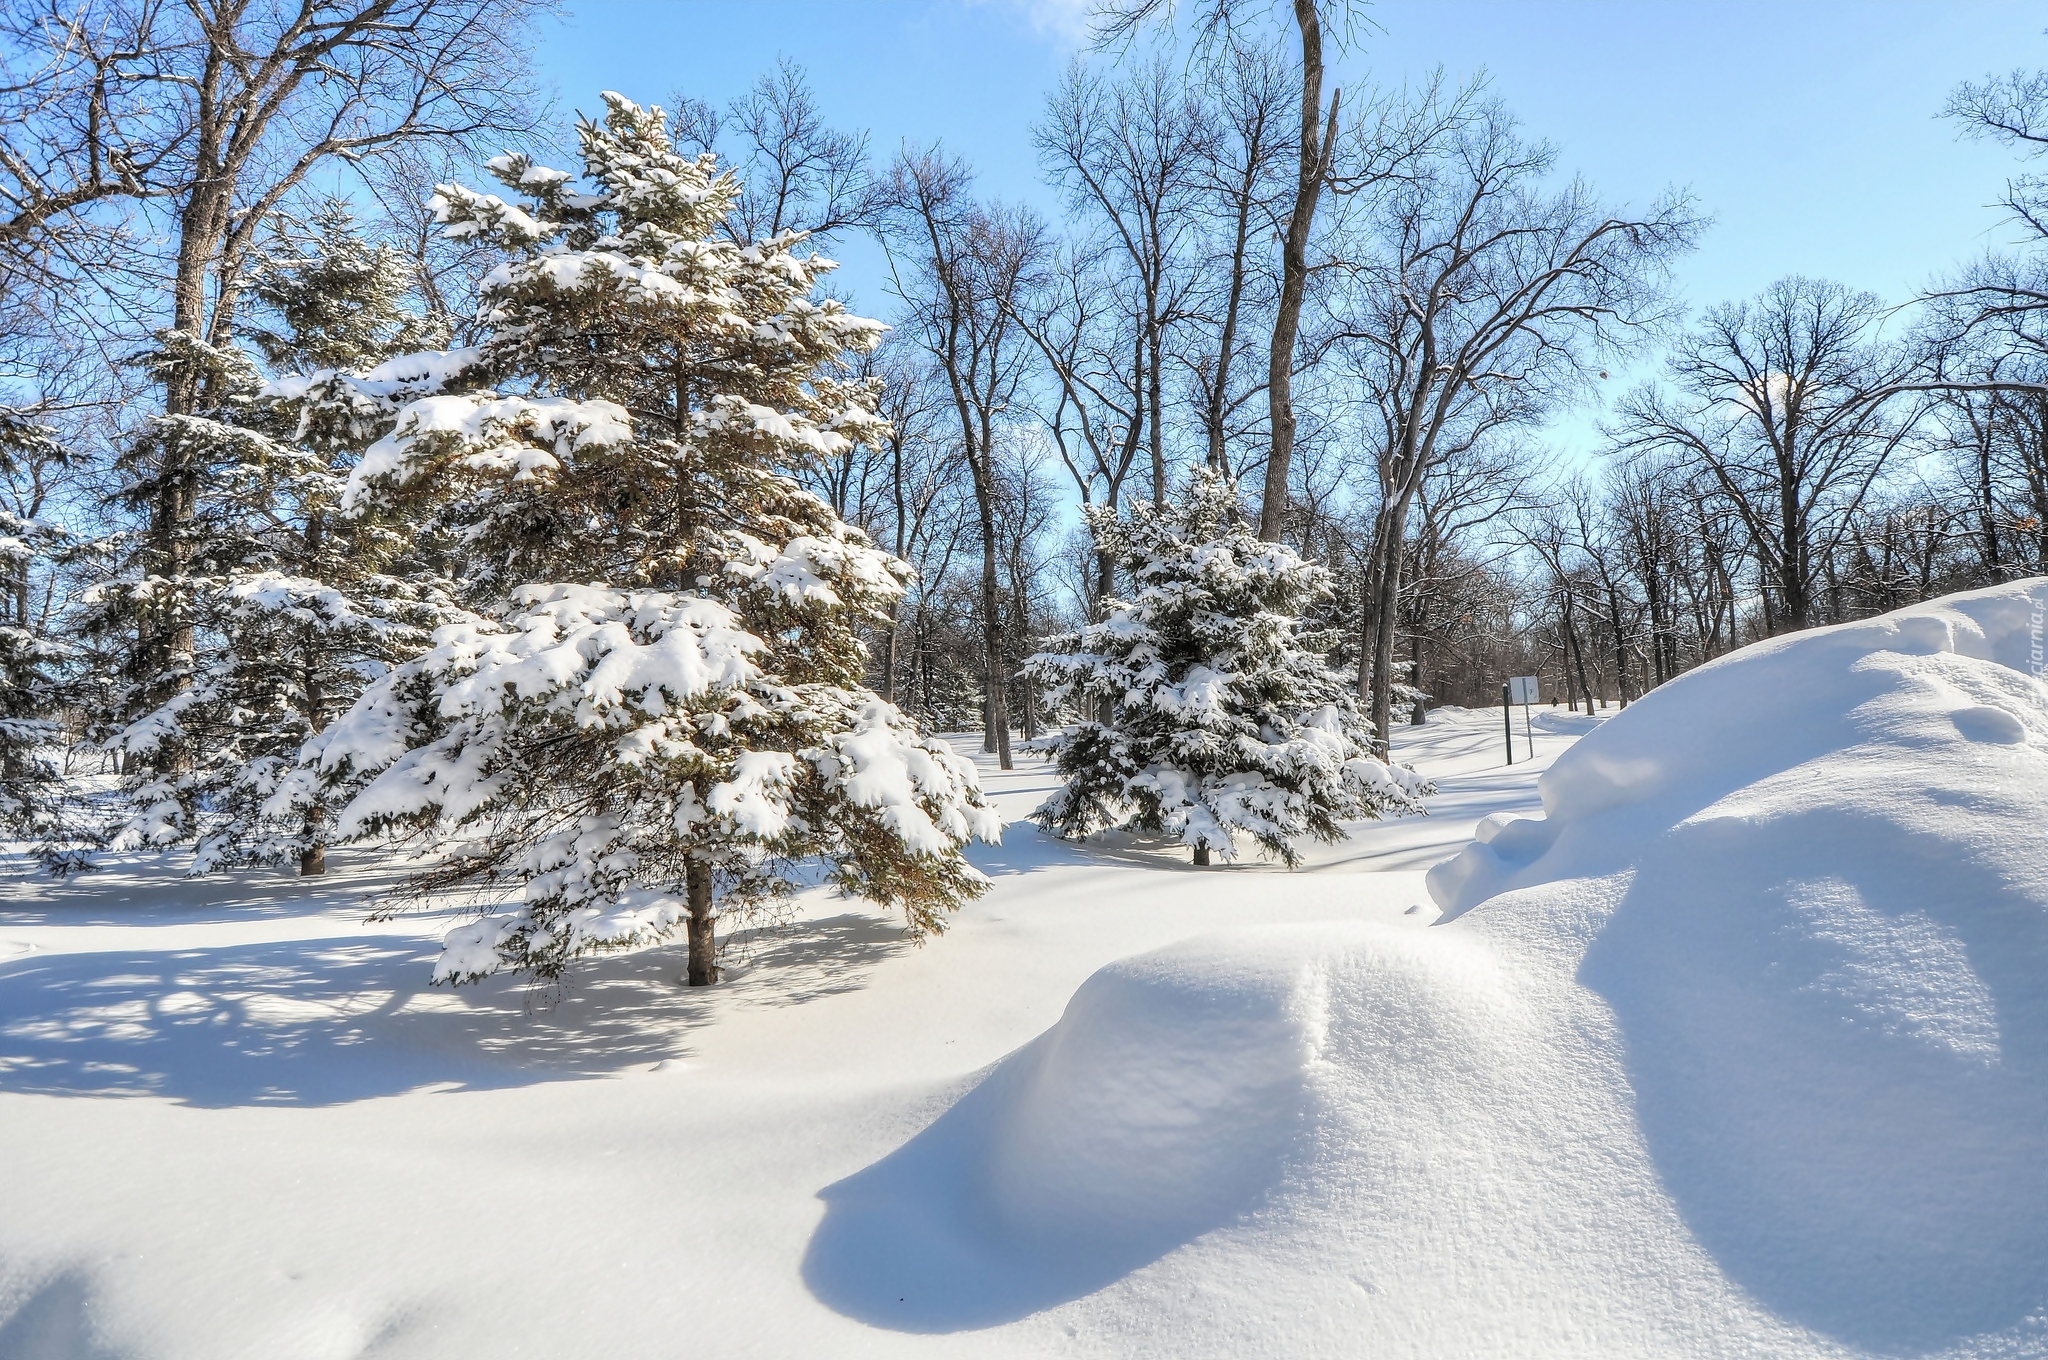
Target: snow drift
(1813, 878)
(1179, 1093)
(1741, 1048)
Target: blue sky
(1808, 131)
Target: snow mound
(1181, 1092)
(1809, 882)
(1741, 1049)
(1901, 716)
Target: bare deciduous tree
(962, 268)
(1773, 399)
(1476, 301)
(797, 173)
(1128, 153)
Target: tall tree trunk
(1390, 536)
(1226, 344)
(1620, 646)
(1365, 633)
(1571, 632)
(895, 610)
(1987, 508)
(1314, 169)
(1795, 561)
(1020, 618)
(703, 942)
(995, 679)
(1155, 401)
(1387, 620)
(166, 648)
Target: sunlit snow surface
(1733, 1042)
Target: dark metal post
(1507, 722)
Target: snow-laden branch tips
(654, 705)
(1214, 711)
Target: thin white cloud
(1065, 20)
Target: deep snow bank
(1742, 1048)
(1813, 879)
(1934, 716)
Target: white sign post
(1522, 690)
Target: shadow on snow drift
(1843, 1075)
(1163, 1105)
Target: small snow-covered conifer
(659, 708)
(1213, 709)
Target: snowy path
(234, 1122)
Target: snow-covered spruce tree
(292, 609)
(31, 659)
(1218, 713)
(661, 707)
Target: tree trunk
(895, 610)
(995, 680)
(1226, 344)
(1314, 169)
(1579, 658)
(1155, 401)
(1987, 510)
(890, 658)
(703, 943)
(313, 862)
(1365, 633)
(1386, 627)
(1420, 715)
(1202, 856)
(1620, 648)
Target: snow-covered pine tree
(31, 683)
(663, 706)
(1218, 713)
(294, 608)
(148, 611)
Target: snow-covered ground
(1773, 1082)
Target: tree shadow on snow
(152, 889)
(326, 1021)
(1025, 848)
(1843, 1078)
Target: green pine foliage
(34, 663)
(291, 608)
(659, 708)
(1209, 710)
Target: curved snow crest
(1748, 1055)
(1808, 885)
(1183, 1093)
(1954, 686)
